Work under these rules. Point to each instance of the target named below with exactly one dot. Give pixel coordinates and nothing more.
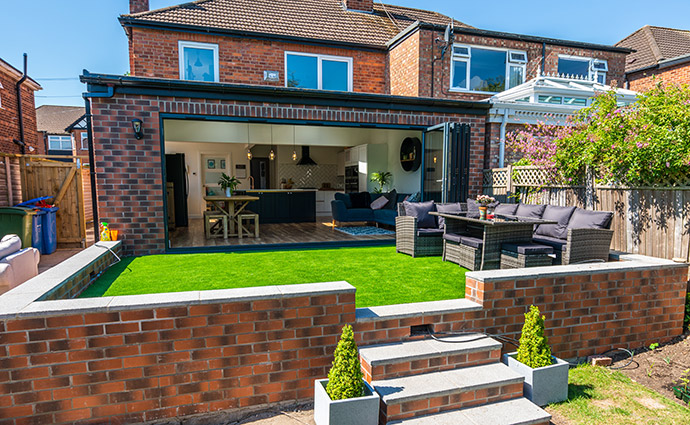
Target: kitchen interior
(294, 171)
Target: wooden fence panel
(86, 190)
(10, 181)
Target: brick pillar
(362, 5)
(136, 6)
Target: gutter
(20, 114)
(666, 63)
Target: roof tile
(653, 45)
(53, 119)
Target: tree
(345, 377)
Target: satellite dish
(448, 35)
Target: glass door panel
(434, 159)
(446, 163)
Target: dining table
(231, 206)
(494, 232)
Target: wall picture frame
(211, 164)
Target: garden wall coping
(429, 308)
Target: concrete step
(395, 360)
(519, 411)
(425, 394)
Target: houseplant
(682, 391)
(546, 376)
(383, 178)
(228, 184)
(345, 398)
(484, 201)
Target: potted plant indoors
(546, 376)
(345, 398)
(682, 391)
(228, 184)
(484, 201)
(383, 178)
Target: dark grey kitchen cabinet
(284, 206)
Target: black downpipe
(20, 114)
(543, 59)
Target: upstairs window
(198, 61)
(486, 70)
(587, 68)
(84, 140)
(320, 72)
(60, 143)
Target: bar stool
(247, 215)
(210, 219)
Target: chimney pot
(136, 6)
(359, 5)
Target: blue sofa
(344, 211)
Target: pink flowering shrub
(641, 142)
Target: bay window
(322, 72)
(486, 69)
(585, 68)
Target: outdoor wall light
(138, 129)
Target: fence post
(509, 182)
(589, 189)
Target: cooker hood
(305, 159)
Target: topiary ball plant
(345, 377)
(534, 350)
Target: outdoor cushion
(421, 211)
(530, 211)
(345, 198)
(429, 232)
(453, 237)
(9, 245)
(360, 214)
(557, 244)
(559, 214)
(506, 209)
(360, 199)
(472, 208)
(379, 203)
(392, 197)
(527, 248)
(585, 219)
(448, 209)
(472, 242)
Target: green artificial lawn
(381, 276)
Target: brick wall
(9, 120)
(128, 171)
(644, 80)
(154, 53)
(403, 63)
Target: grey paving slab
(519, 411)
(401, 311)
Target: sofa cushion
(530, 211)
(429, 232)
(527, 248)
(472, 242)
(454, 208)
(452, 237)
(360, 199)
(415, 197)
(557, 244)
(421, 211)
(385, 216)
(392, 197)
(585, 219)
(24, 265)
(472, 208)
(379, 203)
(559, 214)
(506, 209)
(9, 245)
(345, 197)
(360, 214)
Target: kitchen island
(284, 205)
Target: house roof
(325, 20)
(655, 45)
(9, 69)
(54, 119)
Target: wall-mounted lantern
(137, 125)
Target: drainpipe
(20, 114)
(92, 156)
(502, 142)
(543, 58)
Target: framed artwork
(222, 164)
(241, 171)
(211, 164)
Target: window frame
(84, 139)
(61, 139)
(182, 44)
(319, 67)
(592, 74)
(468, 60)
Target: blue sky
(63, 37)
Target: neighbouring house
(658, 53)
(62, 129)
(300, 100)
(17, 111)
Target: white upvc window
(60, 143)
(84, 140)
(198, 61)
(486, 69)
(322, 72)
(583, 67)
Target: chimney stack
(359, 5)
(136, 6)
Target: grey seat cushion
(472, 208)
(421, 211)
(530, 211)
(506, 209)
(429, 232)
(559, 214)
(454, 208)
(585, 219)
(452, 237)
(557, 244)
(472, 242)
(527, 248)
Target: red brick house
(229, 82)
(659, 53)
(61, 130)
(17, 112)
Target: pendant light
(294, 152)
(272, 154)
(249, 151)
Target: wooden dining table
(231, 206)
(494, 232)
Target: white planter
(543, 385)
(228, 192)
(352, 411)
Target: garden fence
(649, 219)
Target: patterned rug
(364, 230)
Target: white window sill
(473, 91)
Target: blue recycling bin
(37, 234)
(44, 234)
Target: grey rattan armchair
(585, 245)
(411, 240)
